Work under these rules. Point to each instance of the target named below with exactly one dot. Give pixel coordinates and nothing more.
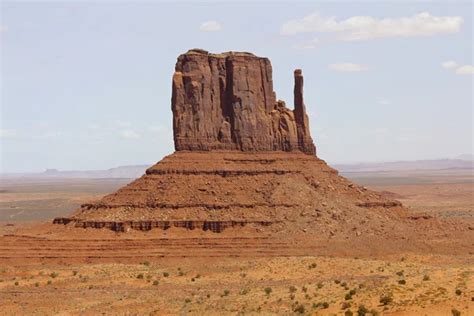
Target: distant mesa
(226, 101)
(242, 159)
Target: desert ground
(148, 273)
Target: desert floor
(221, 278)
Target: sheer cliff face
(226, 101)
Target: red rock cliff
(226, 101)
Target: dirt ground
(242, 272)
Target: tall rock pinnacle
(226, 102)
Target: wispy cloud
(129, 134)
(347, 67)
(465, 70)
(120, 123)
(459, 70)
(210, 26)
(359, 28)
(7, 133)
(449, 64)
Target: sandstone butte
(242, 159)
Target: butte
(242, 159)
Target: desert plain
(49, 269)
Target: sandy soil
(57, 271)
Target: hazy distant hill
(132, 172)
(440, 164)
(129, 172)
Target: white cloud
(7, 133)
(129, 134)
(465, 70)
(210, 26)
(347, 67)
(308, 45)
(449, 64)
(367, 27)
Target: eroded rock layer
(223, 189)
(226, 101)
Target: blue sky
(87, 85)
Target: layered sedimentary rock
(226, 101)
(242, 160)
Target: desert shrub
(268, 290)
(140, 276)
(402, 282)
(208, 295)
(325, 305)
(458, 292)
(455, 312)
(426, 277)
(400, 273)
(244, 291)
(187, 300)
(292, 289)
(353, 292)
(166, 274)
(374, 312)
(345, 305)
(343, 284)
(348, 296)
(16, 283)
(226, 292)
(348, 313)
(53, 274)
(197, 276)
(319, 285)
(156, 282)
(337, 281)
(193, 279)
(362, 310)
(49, 282)
(37, 284)
(146, 263)
(148, 277)
(299, 309)
(74, 273)
(180, 273)
(312, 266)
(304, 289)
(386, 299)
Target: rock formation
(242, 159)
(226, 101)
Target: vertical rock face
(226, 101)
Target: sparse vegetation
(53, 274)
(268, 290)
(244, 291)
(426, 277)
(292, 289)
(348, 297)
(345, 305)
(312, 266)
(187, 300)
(402, 282)
(386, 299)
(140, 276)
(458, 292)
(166, 274)
(226, 293)
(455, 312)
(156, 282)
(299, 309)
(348, 313)
(362, 310)
(319, 285)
